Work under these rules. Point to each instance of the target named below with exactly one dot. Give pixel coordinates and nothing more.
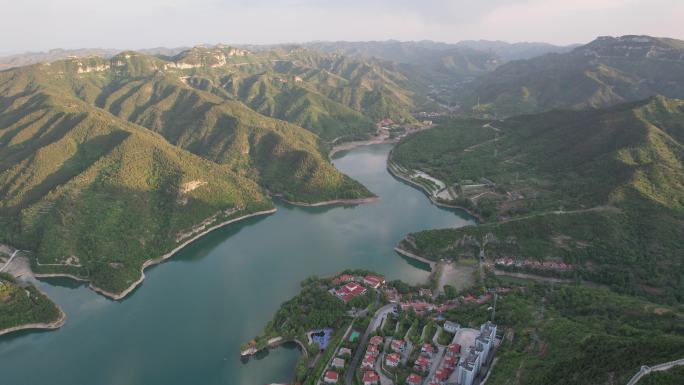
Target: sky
(36, 25)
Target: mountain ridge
(604, 72)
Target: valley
(379, 202)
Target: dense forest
(23, 304)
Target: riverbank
(273, 343)
(39, 326)
(394, 173)
(155, 261)
(383, 139)
(253, 266)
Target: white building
(486, 339)
(488, 329)
(451, 327)
(467, 369)
(476, 356)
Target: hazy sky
(44, 24)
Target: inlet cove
(186, 322)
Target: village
(409, 339)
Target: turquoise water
(184, 325)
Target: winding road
(644, 370)
(373, 325)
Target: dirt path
(14, 254)
(533, 277)
(562, 212)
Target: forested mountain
(604, 72)
(425, 56)
(329, 94)
(28, 58)
(105, 163)
(514, 51)
(601, 189)
(96, 151)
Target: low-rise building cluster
(370, 376)
(352, 286)
(532, 264)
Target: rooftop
(331, 375)
(370, 376)
(394, 357)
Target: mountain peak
(202, 56)
(635, 46)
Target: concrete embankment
(272, 343)
(334, 202)
(414, 256)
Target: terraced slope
(599, 189)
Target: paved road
(10, 260)
(373, 325)
(655, 368)
(435, 362)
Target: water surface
(184, 325)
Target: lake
(185, 324)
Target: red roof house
(414, 379)
(331, 377)
(392, 360)
(368, 361)
(349, 291)
(428, 349)
(343, 278)
(442, 374)
(422, 364)
(370, 378)
(398, 345)
(374, 281)
(450, 362)
(453, 349)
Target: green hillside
(334, 96)
(24, 304)
(600, 189)
(569, 334)
(77, 181)
(604, 72)
(453, 60)
(117, 161)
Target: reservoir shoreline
(58, 323)
(155, 261)
(434, 201)
(415, 257)
(229, 285)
